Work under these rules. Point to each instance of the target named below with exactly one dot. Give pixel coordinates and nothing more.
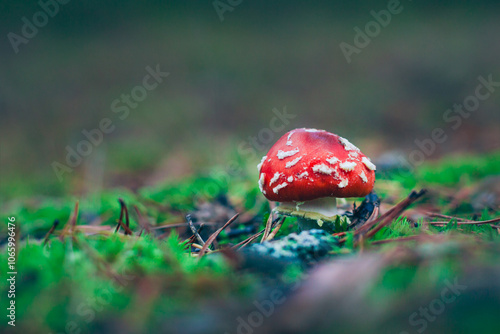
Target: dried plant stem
(127, 230)
(403, 239)
(121, 217)
(196, 246)
(276, 229)
(167, 226)
(49, 233)
(194, 230)
(491, 221)
(216, 234)
(69, 228)
(248, 240)
(267, 230)
(438, 215)
(388, 217)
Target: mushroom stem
(318, 213)
(326, 206)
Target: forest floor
(129, 262)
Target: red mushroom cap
(306, 164)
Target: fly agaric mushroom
(308, 169)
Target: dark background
(227, 76)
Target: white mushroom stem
(326, 206)
(314, 214)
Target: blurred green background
(225, 79)
(228, 79)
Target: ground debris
(306, 247)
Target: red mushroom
(307, 169)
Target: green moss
(75, 279)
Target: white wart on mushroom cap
(306, 164)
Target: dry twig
(366, 230)
(248, 240)
(121, 216)
(216, 234)
(267, 230)
(54, 225)
(491, 221)
(438, 215)
(194, 230)
(403, 239)
(128, 231)
(69, 228)
(276, 229)
(167, 226)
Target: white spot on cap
(280, 186)
(261, 162)
(303, 175)
(290, 179)
(363, 177)
(275, 178)
(313, 130)
(343, 183)
(323, 169)
(261, 182)
(353, 154)
(332, 160)
(348, 166)
(289, 140)
(293, 162)
(282, 154)
(368, 163)
(348, 145)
